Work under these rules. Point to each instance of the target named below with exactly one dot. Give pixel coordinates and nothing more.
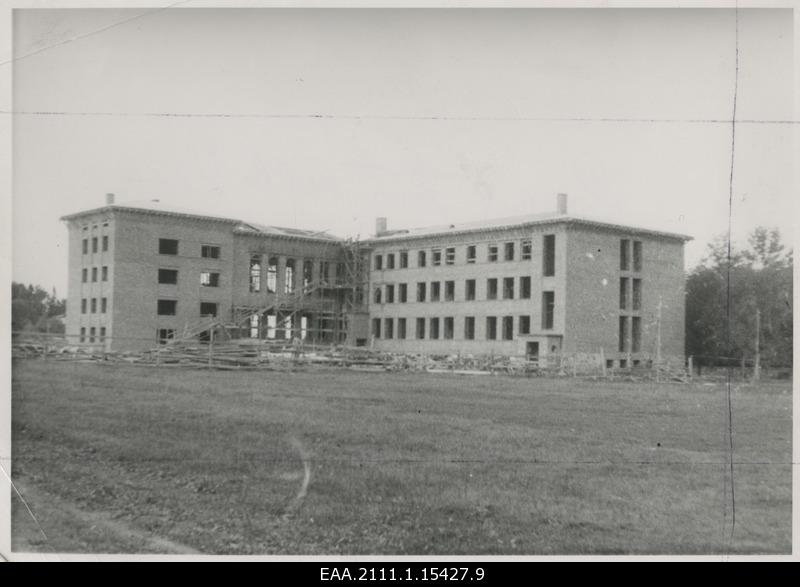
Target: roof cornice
(631, 230)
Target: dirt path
(60, 526)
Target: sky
(326, 119)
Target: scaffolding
(320, 310)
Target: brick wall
(593, 293)
(460, 307)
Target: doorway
(532, 351)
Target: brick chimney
(109, 199)
(561, 204)
(380, 226)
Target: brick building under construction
(523, 286)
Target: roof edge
(150, 211)
(407, 236)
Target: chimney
(109, 199)
(561, 204)
(380, 226)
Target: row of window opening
(434, 294)
(290, 274)
(169, 246)
(96, 244)
(90, 305)
(435, 328)
(170, 277)
(447, 255)
(103, 274)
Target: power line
(399, 117)
(92, 33)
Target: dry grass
(400, 463)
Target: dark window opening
(340, 274)
(636, 334)
(637, 294)
(103, 305)
(403, 293)
(623, 293)
(84, 275)
(421, 291)
(377, 296)
(105, 243)
(167, 307)
(403, 259)
(548, 309)
(469, 328)
(469, 293)
(104, 273)
(420, 328)
(491, 328)
(83, 306)
(165, 334)
(209, 279)
(94, 244)
(509, 251)
(449, 256)
(508, 327)
(388, 328)
(637, 255)
(167, 246)
(421, 259)
(492, 253)
(471, 253)
(401, 328)
(390, 294)
(94, 305)
(624, 248)
(623, 334)
(436, 257)
(436, 289)
(378, 262)
(449, 327)
(434, 329)
(524, 324)
(527, 250)
(324, 271)
(449, 291)
(208, 309)
(94, 274)
(549, 255)
(390, 265)
(168, 276)
(525, 287)
(209, 251)
(85, 246)
(376, 327)
(491, 289)
(508, 288)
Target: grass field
(132, 459)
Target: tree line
(34, 309)
(726, 291)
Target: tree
(724, 292)
(32, 308)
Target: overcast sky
(432, 116)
